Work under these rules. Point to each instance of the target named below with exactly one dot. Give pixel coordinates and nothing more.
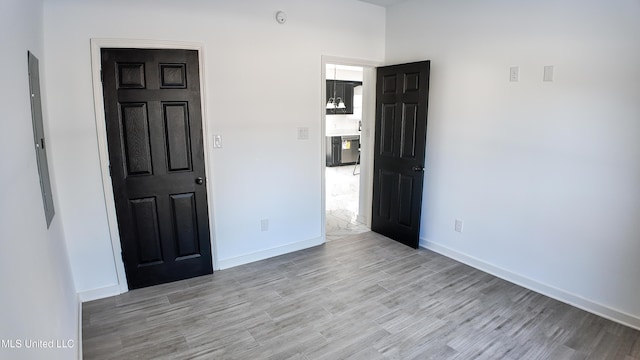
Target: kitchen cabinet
(334, 147)
(344, 90)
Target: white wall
(263, 82)
(544, 174)
(38, 300)
(344, 72)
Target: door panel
(411, 82)
(399, 155)
(389, 83)
(173, 76)
(387, 128)
(405, 194)
(154, 133)
(145, 221)
(388, 182)
(183, 209)
(176, 123)
(135, 126)
(409, 127)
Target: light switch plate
(217, 141)
(548, 73)
(514, 73)
(303, 133)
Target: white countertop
(342, 132)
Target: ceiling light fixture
(335, 102)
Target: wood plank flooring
(361, 297)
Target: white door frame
(367, 136)
(101, 132)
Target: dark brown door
(402, 93)
(154, 132)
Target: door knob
(418, 168)
(199, 180)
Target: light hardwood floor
(360, 297)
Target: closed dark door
(401, 135)
(154, 133)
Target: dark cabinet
(334, 147)
(341, 90)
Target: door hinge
(101, 76)
(110, 170)
(122, 255)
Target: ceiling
(385, 3)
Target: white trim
(268, 253)
(323, 149)
(101, 133)
(99, 293)
(103, 152)
(531, 284)
(366, 157)
(338, 60)
(368, 126)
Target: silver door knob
(199, 180)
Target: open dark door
(402, 93)
(154, 133)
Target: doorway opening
(346, 145)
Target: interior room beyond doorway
(344, 94)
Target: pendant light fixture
(335, 102)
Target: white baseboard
(113, 290)
(550, 291)
(99, 293)
(265, 254)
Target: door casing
(107, 186)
